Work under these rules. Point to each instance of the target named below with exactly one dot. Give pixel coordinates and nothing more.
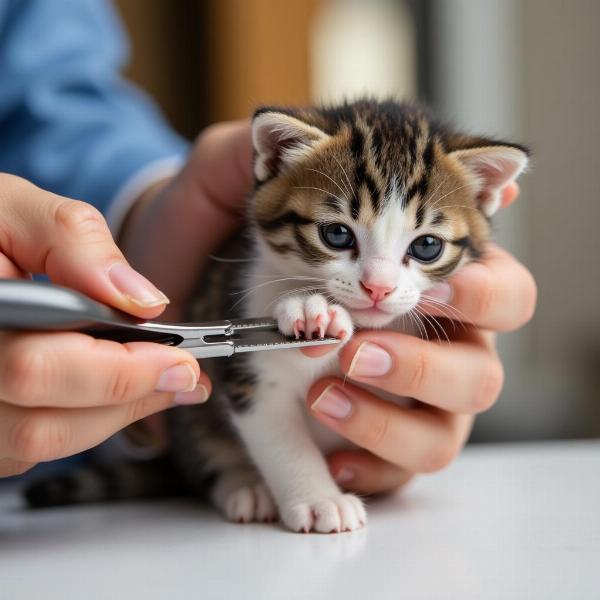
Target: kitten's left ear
(280, 140)
(492, 167)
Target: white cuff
(136, 185)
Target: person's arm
(68, 121)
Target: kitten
(356, 211)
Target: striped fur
(386, 170)
(375, 151)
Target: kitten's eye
(426, 248)
(337, 236)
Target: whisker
(417, 322)
(291, 292)
(330, 179)
(444, 305)
(435, 324)
(352, 190)
(229, 260)
(438, 200)
(428, 322)
(458, 206)
(299, 277)
(260, 285)
(318, 189)
(446, 314)
(439, 185)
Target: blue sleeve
(68, 121)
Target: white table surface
(518, 521)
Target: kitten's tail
(103, 483)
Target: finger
(10, 467)
(510, 194)
(43, 434)
(496, 293)
(463, 377)
(70, 241)
(201, 208)
(365, 473)
(8, 269)
(418, 439)
(75, 370)
(224, 154)
(318, 351)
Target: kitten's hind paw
(343, 512)
(250, 503)
(312, 317)
(242, 497)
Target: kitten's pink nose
(376, 292)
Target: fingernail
(179, 378)
(333, 403)
(198, 396)
(441, 292)
(370, 360)
(135, 286)
(345, 475)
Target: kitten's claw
(299, 328)
(321, 326)
(311, 316)
(343, 512)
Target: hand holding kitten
(452, 381)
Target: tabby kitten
(356, 211)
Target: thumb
(69, 241)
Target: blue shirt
(68, 121)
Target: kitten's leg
(211, 458)
(241, 496)
(277, 437)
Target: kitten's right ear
(281, 140)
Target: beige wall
(561, 108)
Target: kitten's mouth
(378, 314)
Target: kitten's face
(372, 204)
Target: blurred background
(522, 69)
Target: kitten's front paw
(343, 512)
(311, 317)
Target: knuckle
(143, 407)
(417, 374)
(37, 438)
(27, 375)
(485, 300)
(528, 300)
(79, 218)
(492, 380)
(439, 456)
(377, 432)
(12, 184)
(11, 468)
(120, 387)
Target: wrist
(135, 216)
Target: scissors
(27, 305)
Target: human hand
(450, 381)
(173, 229)
(61, 393)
